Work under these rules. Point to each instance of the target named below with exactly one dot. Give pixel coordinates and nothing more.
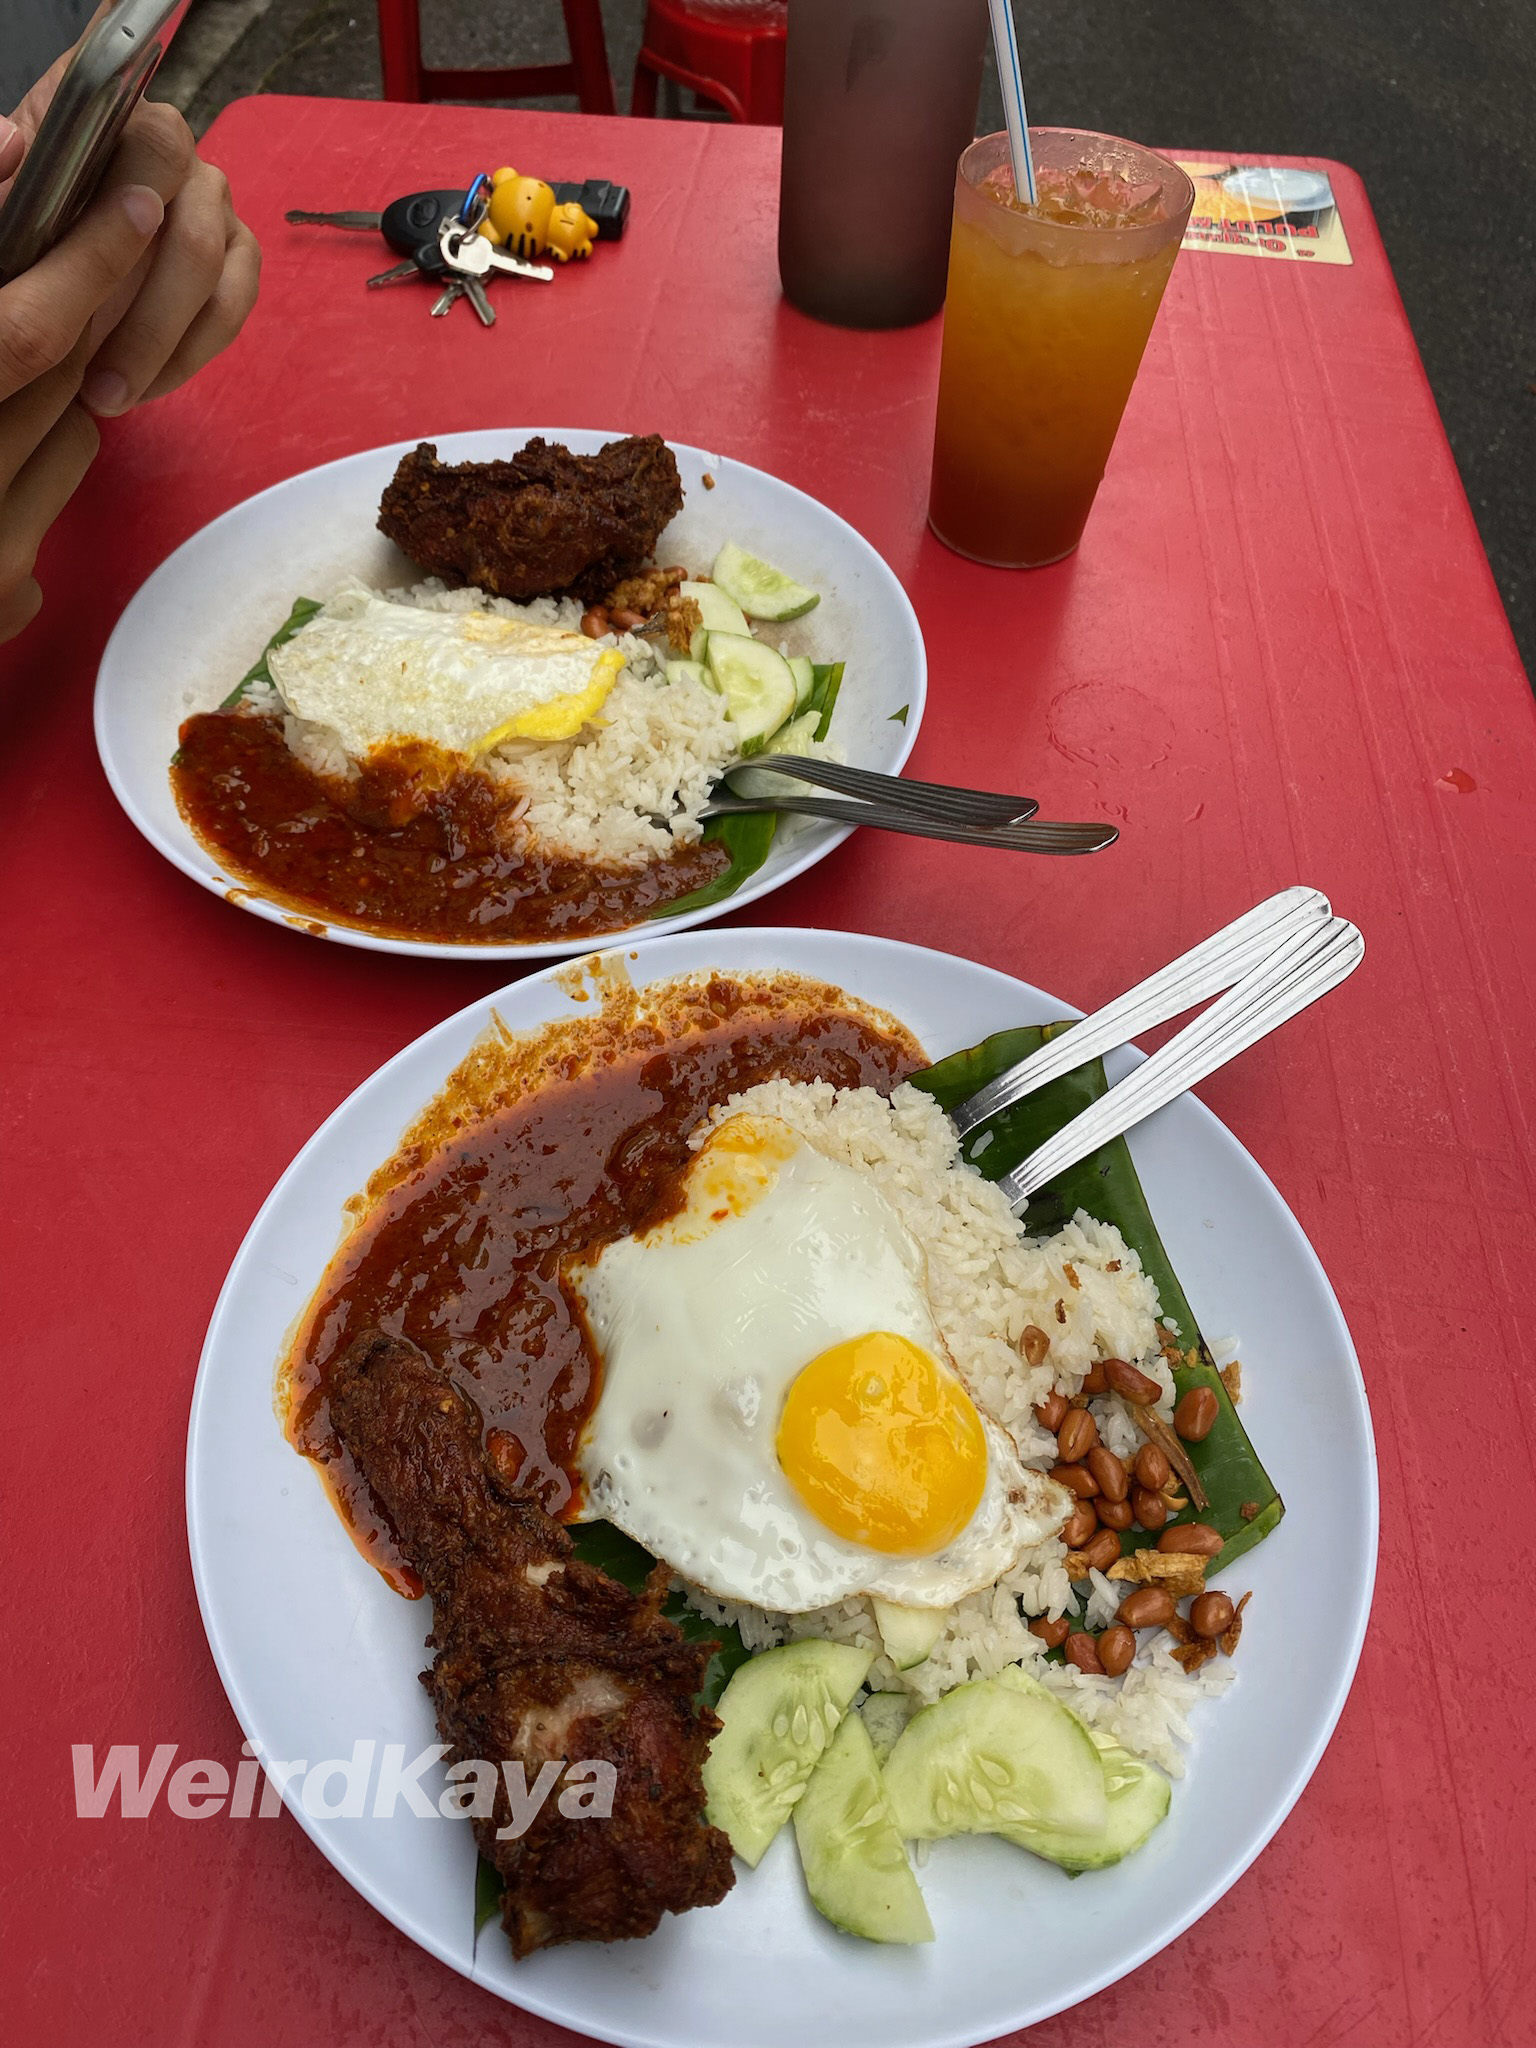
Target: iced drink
(1048, 312)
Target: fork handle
(1052, 836)
(977, 806)
(1305, 967)
(1205, 970)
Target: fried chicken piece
(544, 524)
(539, 1657)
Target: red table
(1278, 656)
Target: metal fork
(1205, 970)
(1305, 966)
(1036, 836)
(936, 799)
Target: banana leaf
(826, 681)
(1106, 1185)
(749, 838)
(304, 609)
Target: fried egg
(378, 672)
(778, 1416)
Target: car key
(405, 223)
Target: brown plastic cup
(1048, 313)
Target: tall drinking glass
(1048, 313)
(879, 100)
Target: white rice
(628, 788)
(987, 1282)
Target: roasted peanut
(1210, 1615)
(1052, 1633)
(1034, 1344)
(1148, 1607)
(1084, 1653)
(1094, 1381)
(625, 620)
(1150, 1509)
(1195, 1416)
(1076, 1437)
(1117, 1649)
(594, 622)
(1076, 1479)
(1199, 1539)
(1109, 1472)
(1080, 1525)
(1102, 1550)
(1050, 1412)
(1131, 1383)
(1114, 1514)
(1152, 1469)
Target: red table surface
(1276, 644)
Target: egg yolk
(884, 1445)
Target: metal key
(479, 298)
(405, 223)
(471, 255)
(449, 297)
(398, 275)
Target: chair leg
(400, 49)
(589, 54)
(642, 97)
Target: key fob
(409, 223)
(607, 204)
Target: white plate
(194, 628)
(315, 1651)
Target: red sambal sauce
(463, 1257)
(399, 852)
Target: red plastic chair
(731, 55)
(406, 77)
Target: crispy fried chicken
(545, 523)
(539, 1657)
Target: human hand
(155, 278)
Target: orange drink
(1048, 312)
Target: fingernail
(144, 207)
(7, 131)
(105, 391)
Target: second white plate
(315, 1651)
(194, 628)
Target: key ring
(477, 203)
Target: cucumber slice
(805, 679)
(692, 672)
(908, 1633)
(698, 644)
(988, 1757)
(758, 682)
(884, 1715)
(1138, 1795)
(856, 1870)
(794, 738)
(762, 591)
(717, 609)
(779, 1713)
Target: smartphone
(104, 82)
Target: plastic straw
(1012, 83)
